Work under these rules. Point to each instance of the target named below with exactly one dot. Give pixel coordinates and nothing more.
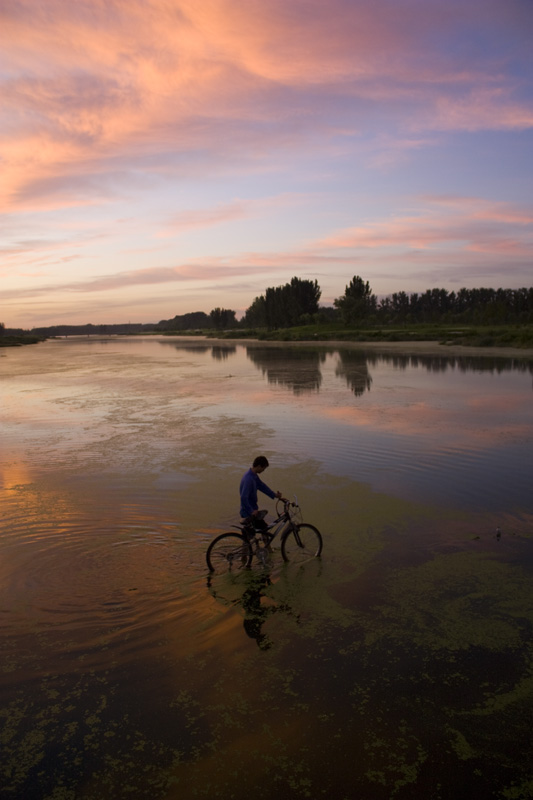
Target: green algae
(456, 601)
(386, 667)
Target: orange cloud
(444, 228)
(473, 223)
(479, 109)
(111, 109)
(89, 89)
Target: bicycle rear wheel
(229, 552)
(301, 544)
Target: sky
(160, 157)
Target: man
(251, 483)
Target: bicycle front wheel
(229, 552)
(301, 544)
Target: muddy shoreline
(405, 348)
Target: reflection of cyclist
(251, 483)
(255, 614)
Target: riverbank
(434, 348)
(18, 341)
(429, 347)
(484, 336)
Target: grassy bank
(472, 336)
(17, 341)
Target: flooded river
(399, 665)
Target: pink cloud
(197, 272)
(228, 212)
(470, 223)
(114, 105)
(444, 229)
(480, 109)
(88, 84)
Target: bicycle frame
(281, 526)
(299, 541)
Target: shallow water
(398, 665)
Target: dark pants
(254, 525)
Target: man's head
(260, 464)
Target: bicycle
(232, 552)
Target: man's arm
(266, 489)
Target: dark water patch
(397, 666)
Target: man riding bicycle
(250, 484)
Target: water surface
(399, 665)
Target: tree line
(478, 306)
(297, 303)
(360, 306)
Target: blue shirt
(250, 484)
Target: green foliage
(284, 306)
(478, 306)
(357, 303)
(473, 336)
(192, 321)
(255, 316)
(16, 340)
(223, 318)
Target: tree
(183, 322)
(357, 303)
(284, 306)
(400, 306)
(304, 296)
(255, 316)
(223, 318)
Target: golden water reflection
(396, 666)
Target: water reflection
(300, 368)
(249, 592)
(222, 352)
(123, 677)
(193, 347)
(353, 367)
(297, 368)
(463, 363)
(250, 597)
(219, 351)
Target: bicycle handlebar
(287, 503)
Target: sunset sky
(166, 156)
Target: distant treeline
(219, 319)
(197, 320)
(478, 306)
(86, 330)
(297, 303)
